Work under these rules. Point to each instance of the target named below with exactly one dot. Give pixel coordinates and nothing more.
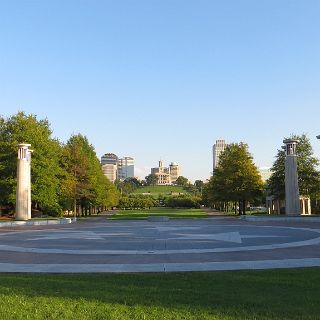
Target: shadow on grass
(284, 294)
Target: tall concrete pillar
(23, 199)
(291, 178)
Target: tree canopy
(84, 180)
(236, 178)
(61, 174)
(22, 128)
(151, 180)
(182, 181)
(128, 186)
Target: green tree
(199, 185)
(151, 180)
(128, 186)
(236, 178)
(85, 184)
(308, 175)
(134, 181)
(45, 168)
(182, 181)
(183, 202)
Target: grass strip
(171, 213)
(275, 294)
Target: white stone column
(291, 179)
(303, 206)
(23, 195)
(309, 206)
(29, 181)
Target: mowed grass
(171, 213)
(284, 294)
(156, 190)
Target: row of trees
(183, 202)
(65, 176)
(137, 202)
(130, 185)
(236, 181)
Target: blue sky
(165, 79)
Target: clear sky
(165, 78)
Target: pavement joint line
(160, 267)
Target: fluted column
(23, 195)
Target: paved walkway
(100, 245)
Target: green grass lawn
(156, 190)
(284, 294)
(171, 213)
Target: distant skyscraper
(109, 163)
(125, 168)
(117, 169)
(110, 171)
(109, 158)
(217, 149)
(174, 171)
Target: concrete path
(100, 245)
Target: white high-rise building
(125, 168)
(217, 149)
(109, 163)
(110, 171)
(117, 169)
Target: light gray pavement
(101, 245)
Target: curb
(292, 219)
(35, 223)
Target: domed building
(166, 175)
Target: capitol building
(166, 175)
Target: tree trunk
(240, 207)
(244, 206)
(75, 208)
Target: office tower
(174, 171)
(217, 149)
(109, 163)
(125, 168)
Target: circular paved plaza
(100, 245)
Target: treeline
(183, 202)
(137, 202)
(146, 202)
(65, 176)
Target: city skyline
(158, 79)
